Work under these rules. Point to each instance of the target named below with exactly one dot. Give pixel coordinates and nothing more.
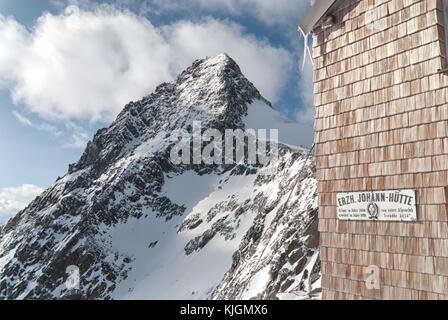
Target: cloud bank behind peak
(86, 64)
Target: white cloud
(306, 88)
(14, 199)
(78, 137)
(267, 67)
(73, 135)
(22, 119)
(39, 126)
(81, 64)
(88, 64)
(271, 12)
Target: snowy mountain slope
(139, 226)
(279, 253)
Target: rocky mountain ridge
(134, 225)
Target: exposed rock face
(279, 253)
(135, 225)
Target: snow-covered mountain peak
(213, 91)
(130, 223)
(218, 84)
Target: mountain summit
(126, 222)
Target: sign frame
(377, 205)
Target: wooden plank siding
(381, 122)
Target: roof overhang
(320, 9)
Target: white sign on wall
(390, 205)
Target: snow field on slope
(165, 271)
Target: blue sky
(68, 67)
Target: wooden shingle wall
(381, 122)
